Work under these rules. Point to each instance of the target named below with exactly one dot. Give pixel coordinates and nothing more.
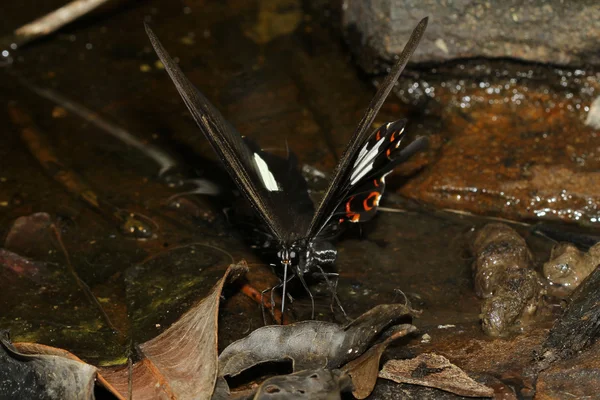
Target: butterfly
(277, 190)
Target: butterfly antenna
(312, 299)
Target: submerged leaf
(30, 371)
(30, 235)
(309, 344)
(434, 371)
(364, 370)
(181, 362)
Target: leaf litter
(183, 361)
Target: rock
(579, 325)
(553, 31)
(576, 378)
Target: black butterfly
(278, 192)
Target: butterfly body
(300, 231)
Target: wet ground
(507, 140)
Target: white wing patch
(364, 161)
(265, 174)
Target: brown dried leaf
(147, 381)
(180, 363)
(309, 344)
(433, 370)
(364, 369)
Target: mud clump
(568, 266)
(504, 278)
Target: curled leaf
(364, 370)
(309, 344)
(180, 363)
(36, 371)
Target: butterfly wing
(337, 190)
(264, 186)
(377, 158)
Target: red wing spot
(375, 183)
(354, 217)
(393, 137)
(348, 206)
(378, 135)
(387, 153)
(371, 195)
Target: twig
(164, 160)
(48, 23)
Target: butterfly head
(289, 256)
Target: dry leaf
(434, 371)
(309, 344)
(364, 369)
(181, 362)
(31, 371)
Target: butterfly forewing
(264, 186)
(335, 194)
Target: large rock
(551, 31)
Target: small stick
(48, 23)
(165, 161)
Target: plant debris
(43, 372)
(433, 370)
(182, 361)
(309, 344)
(364, 370)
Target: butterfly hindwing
(367, 177)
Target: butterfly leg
(262, 305)
(332, 288)
(312, 299)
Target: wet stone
(550, 31)
(578, 377)
(579, 325)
